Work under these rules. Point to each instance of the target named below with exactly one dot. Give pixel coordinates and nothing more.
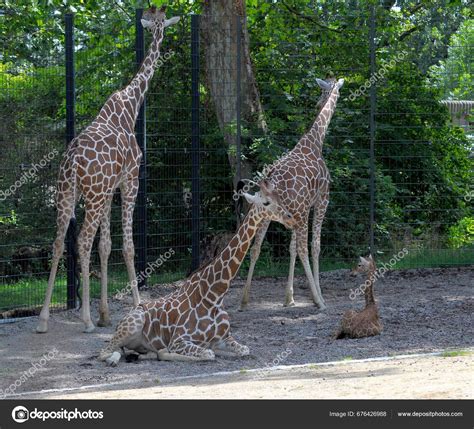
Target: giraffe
(105, 156)
(191, 323)
(302, 182)
(364, 323)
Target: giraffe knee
(58, 248)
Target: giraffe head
(328, 86)
(365, 265)
(266, 204)
(155, 19)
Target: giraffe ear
(323, 84)
(252, 199)
(340, 82)
(171, 21)
(363, 260)
(146, 24)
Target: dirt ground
(394, 379)
(423, 310)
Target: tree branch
(308, 18)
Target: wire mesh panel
(32, 126)
(290, 52)
(232, 92)
(423, 161)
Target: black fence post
(71, 259)
(195, 143)
(238, 96)
(373, 101)
(140, 133)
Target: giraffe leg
(319, 213)
(302, 248)
(230, 347)
(254, 254)
(128, 334)
(289, 300)
(105, 246)
(129, 191)
(85, 240)
(185, 351)
(65, 211)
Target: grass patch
(29, 292)
(454, 353)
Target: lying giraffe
(302, 182)
(104, 157)
(364, 323)
(190, 323)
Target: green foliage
(454, 75)
(462, 234)
(423, 169)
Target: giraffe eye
(266, 203)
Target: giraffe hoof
(104, 322)
(208, 355)
(289, 304)
(114, 359)
(243, 307)
(89, 328)
(244, 351)
(42, 327)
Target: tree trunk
(219, 39)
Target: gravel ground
(423, 310)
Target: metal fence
(198, 140)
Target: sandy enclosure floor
(422, 310)
(394, 379)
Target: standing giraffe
(301, 179)
(190, 323)
(364, 323)
(104, 157)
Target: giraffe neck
(317, 133)
(135, 91)
(217, 276)
(369, 291)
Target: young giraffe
(302, 182)
(190, 323)
(365, 323)
(102, 158)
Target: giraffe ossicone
(103, 157)
(301, 180)
(191, 323)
